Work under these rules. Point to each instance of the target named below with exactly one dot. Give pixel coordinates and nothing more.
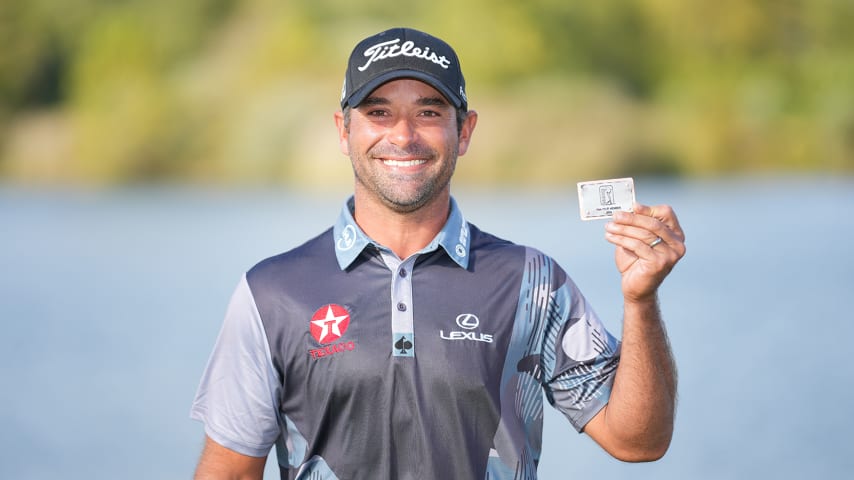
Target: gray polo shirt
(357, 364)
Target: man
(405, 343)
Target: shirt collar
(350, 240)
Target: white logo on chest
(466, 321)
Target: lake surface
(110, 302)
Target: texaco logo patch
(329, 323)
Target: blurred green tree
(98, 91)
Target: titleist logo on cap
(391, 49)
(403, 53)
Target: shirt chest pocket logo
(328, 324)
(468, 322)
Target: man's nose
(402, 132)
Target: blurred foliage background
(99, 92)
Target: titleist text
(390, 49)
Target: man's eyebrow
(373, 101)
(423, 101)
(433, 101)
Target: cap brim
(359, 95)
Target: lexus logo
(468, 321)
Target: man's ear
(343, 133)
(466, 131)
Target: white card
(601, 198)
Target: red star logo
(329, 323)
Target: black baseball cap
(403, 53)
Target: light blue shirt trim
(350, 240)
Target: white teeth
(403, 163)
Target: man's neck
(404, 233)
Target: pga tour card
(601, 198)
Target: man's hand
(641, 258)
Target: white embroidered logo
(391, 49)
(347, 238)
(467, 321)
(464, 238)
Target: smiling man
(404, 342)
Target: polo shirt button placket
(402, 322)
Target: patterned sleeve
(581, 355)
(238, 394)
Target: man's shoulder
(481, 238)
(513, 255)
(313, 252)
(485, 241)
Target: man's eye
(430, 113)
(377, 113)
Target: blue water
(110, 302)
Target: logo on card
(606, 194)
(328, 324)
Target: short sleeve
(237, 398)
(585, 356)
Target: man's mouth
(403, 163)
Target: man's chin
(403, 203)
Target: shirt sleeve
(585, 355)
(237, 398)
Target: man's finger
(662, 213)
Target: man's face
(403, 143)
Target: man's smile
(403, 163)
